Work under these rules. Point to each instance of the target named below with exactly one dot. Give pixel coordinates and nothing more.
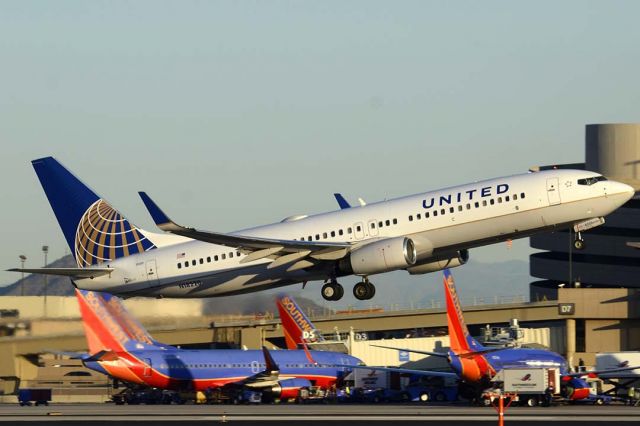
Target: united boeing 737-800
(418, 233)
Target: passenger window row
(349, 231)
(208, 259)
(467, 206)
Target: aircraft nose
(627, 190)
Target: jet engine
(434, 264)
(288, 388)
(380, 256)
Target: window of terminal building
(580, 335)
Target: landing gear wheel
(364, 290)
(332, 291)
(360, 291)
(578, 244)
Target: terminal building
(609, 258)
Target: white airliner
(419, 233)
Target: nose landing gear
(578, 243)
(364, 290)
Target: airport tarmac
(316, 414)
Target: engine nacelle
(289, 388)
(380, 256)
(439, 263)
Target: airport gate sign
(566, 308)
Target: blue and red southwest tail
(466, 353)
(297, 327)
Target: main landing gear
(578, 243)
(364, 290)
(332, 291)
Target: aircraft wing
(429, 373)
(266, 377)
(599, 372)
(288, 250)
(438, 354)
(67, 272)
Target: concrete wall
(67, 307)
(614, 151)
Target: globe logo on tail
(103, 234)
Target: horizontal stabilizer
(415, 351)
(102, 356)
(67, 272)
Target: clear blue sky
(238, 113)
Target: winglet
(269, 361)
(308, 354)
(344, 204)
(159, 217)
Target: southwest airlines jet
(475, 365)
(120, 347)
(418, 233)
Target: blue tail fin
(95, 232)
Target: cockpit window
(591, 180)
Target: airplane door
(147, 368)
(373, 228)
(553, 191)
(358, 230)
(152, 273)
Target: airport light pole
(23, 259)
(45, 250)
